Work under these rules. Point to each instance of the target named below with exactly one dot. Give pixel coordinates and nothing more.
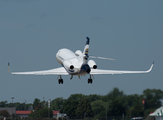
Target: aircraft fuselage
(73, 64)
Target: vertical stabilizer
(86, 50)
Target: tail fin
(86, 49)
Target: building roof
(55, 112)
(23, 112)
(26, 112)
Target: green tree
(43, 104)
(69, 107)
(45, 112)
(56, 103)
(153, 98)
(132, 100)
(116, 108)
(41, 112)
(3, 104)
(20, 106)
(84, 108)
(77, 97)
(137, 110)
(113, 95)
(36, 103)
(10, 105)
(99, 107)
(94, 97)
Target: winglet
(153, 62)
(151, 67)
(9, 67)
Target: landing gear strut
(60, 80)
(71, 77)
(90, 80)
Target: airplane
(77, 64)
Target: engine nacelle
(78, 53)
(68, 65)
(92, 64)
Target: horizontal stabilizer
(101, 58)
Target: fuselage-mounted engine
(68, 65)
(92, 64)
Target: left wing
(99, 71)
(56, 71)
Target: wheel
(59, 81)
(88, 81)
(91, 81)
(62, 81)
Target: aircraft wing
(100, 71)
(56, 71)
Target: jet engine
(78, 53)
(68, 65)
(92, 64)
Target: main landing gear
(90, 80)
(60, 80)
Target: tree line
(115, 103)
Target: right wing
(99, 71)
(56, 71)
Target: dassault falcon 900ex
(76, 64)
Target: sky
(32, 31)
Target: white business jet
(76, 64)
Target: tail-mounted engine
(68, 65)
(92, 64)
